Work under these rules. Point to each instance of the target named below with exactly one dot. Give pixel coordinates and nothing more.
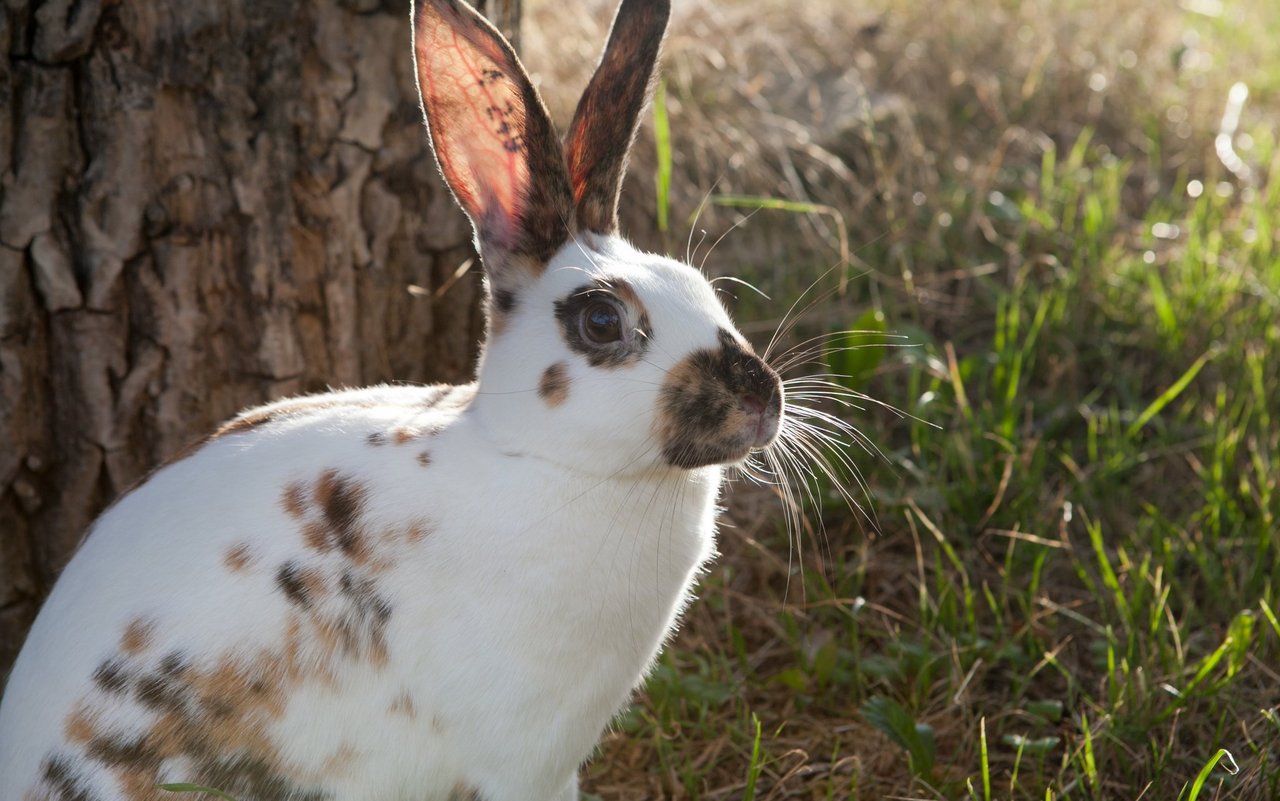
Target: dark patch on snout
(703, 415)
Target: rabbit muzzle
(717, 405)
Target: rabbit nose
(752, 404)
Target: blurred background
(1039, 237)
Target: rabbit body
(316, 598)
(422, 593)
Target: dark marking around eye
(626, 351)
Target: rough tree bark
(203, 206)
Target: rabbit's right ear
(604, 126)
(493, 140)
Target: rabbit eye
(601, 322)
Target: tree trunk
(204, 206)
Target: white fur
(559, 555)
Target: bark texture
(203, 206)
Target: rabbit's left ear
(605, 124)
(493, 139)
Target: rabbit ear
(493, 140)
(605, 123)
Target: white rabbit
(422, 593)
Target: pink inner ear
(477, 117)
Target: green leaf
(793, 678)
(1051, 711)
(856, 353)
(1038, 745)
(890, 717)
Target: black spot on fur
(112, 676)
(289, 580)
(63, 781)
(367, 613)
(164, 688)
(119, 750)
(364, 597)
(629, 350)
(246, 777)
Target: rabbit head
(598, 357)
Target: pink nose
(752, 404)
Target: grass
(1067, 582)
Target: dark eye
(601, 322)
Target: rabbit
(422, 593)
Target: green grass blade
(662, 141)
(1203, 776)
(753, 769)
(1170, 394)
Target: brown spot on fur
(553, 387)
(403, 435)
(340, 501)
(424, 458)
(417, 532)
(340, 761)
(238, 557)
(403, 704)
(294, 499)
(137, 636)
(81, 725)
